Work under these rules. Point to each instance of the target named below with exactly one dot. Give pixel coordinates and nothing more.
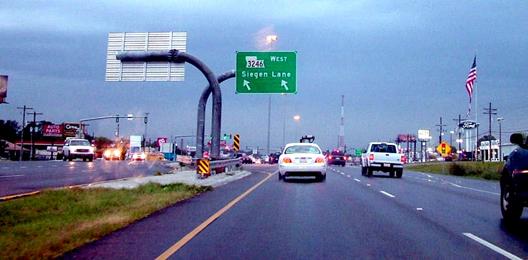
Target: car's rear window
(302, 149)
(338, 153)
(80, 142)
(383, 148)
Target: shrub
(457, 170)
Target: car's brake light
(286, 160)
(520, 172)
(371, 157)
(330, 157)
(403, 159)
(319, 160)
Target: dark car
(514, 180)
(336, 158)
(274, 158)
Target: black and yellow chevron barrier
(203, 167)
(236, 142)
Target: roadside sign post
(266, 72)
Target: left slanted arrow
(246, 84)
(285, 85)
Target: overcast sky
(400, 64)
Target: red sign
(52, 130)
(161, 141)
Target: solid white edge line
(387, 194)
(492, 246)
(10, 176)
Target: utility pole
(489, 111)
(500, 137)
(32, 152)
(24, 108)
(441, 131)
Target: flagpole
(476, 113)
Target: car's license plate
(302, 161)
(386, 165)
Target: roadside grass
(54, 222)
(481, 170)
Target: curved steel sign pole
(180, 57)
(200, 127)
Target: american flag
(472, 76)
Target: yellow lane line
(174, 248)
(19, 195)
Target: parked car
(514, 180)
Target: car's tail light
(371, 157)
(403, 159)
(117, 153)
(286, 160)
(329, 156)
(319, 160)
(515, 172)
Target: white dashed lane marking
(492, 246)
(387, 194)
(358, 180)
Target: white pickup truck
(383, 157)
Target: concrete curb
(186, 177)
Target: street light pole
(270, 39)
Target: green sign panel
(358, 152)
(266, 72)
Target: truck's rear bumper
(385, 167)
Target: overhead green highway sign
(266, 72)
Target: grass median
(56, 221)
(481, 170)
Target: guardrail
(220, 166)
(226, 165)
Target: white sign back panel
(144, 71)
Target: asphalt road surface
(349, 216)
(28, 176)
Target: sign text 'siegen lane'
(266, 72)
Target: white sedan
(302, 159)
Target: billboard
(402, 138)
(70, 129)
(3, 88)
(52, 130)
(424, 134)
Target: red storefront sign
(52, 130)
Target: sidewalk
(175, 176)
